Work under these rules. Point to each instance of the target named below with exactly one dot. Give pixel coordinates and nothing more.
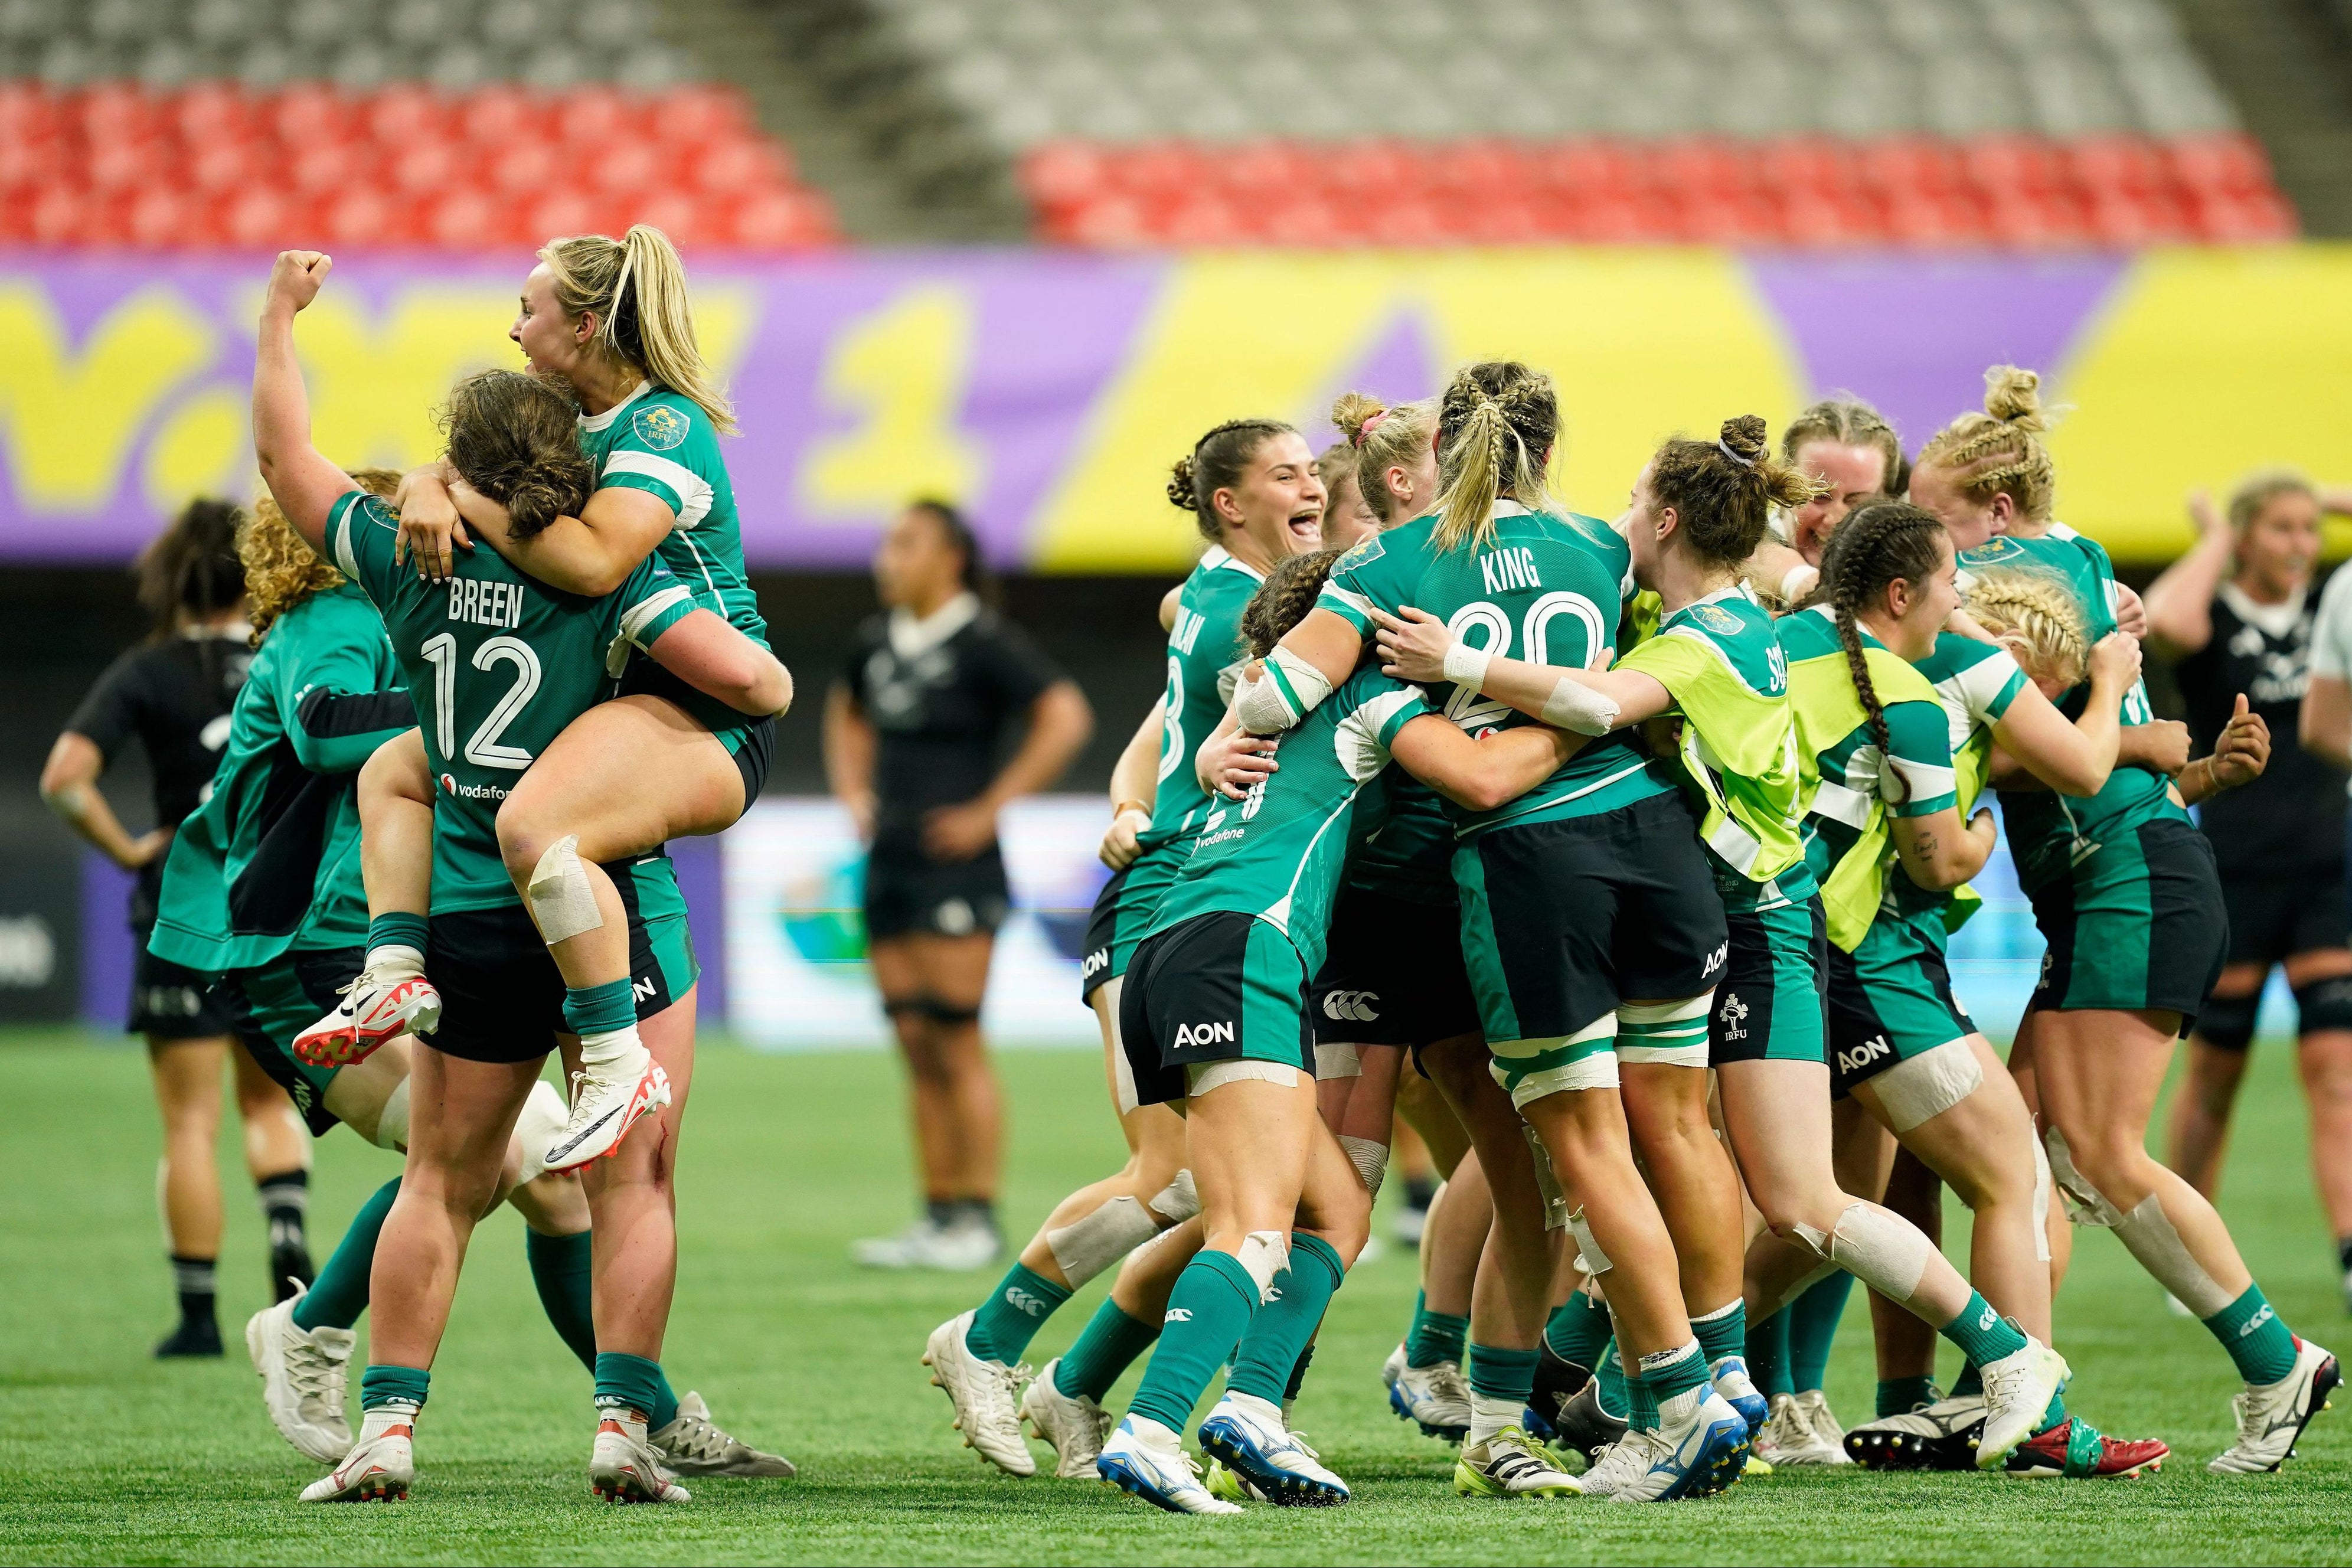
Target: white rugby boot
(1393, 1368)
(2017, 1389)
(303, 1373)
(374, 1008)
(607, 1100)
(1073, 1425)
(1815, 1404)
(2271, 1416)
(1145, 1459)
(1692, 1453)
(695, 1445)
(958, 1246)
(985, 1394)
(1941, 1435)
(380, 1466)
(1250, 1436)
(1788, 1437)
(1435, 1397)
(623, 1465)
(1730, 1378)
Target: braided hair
(1723, 491)
(1282, 600)
(1495, 427)
(2001, 451)
(1217, 462)
(1886, 542)
(2036, 619)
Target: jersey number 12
(483, 747)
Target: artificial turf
(109, 1457)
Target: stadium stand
(157, 123)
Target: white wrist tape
(391, 1122)
(1370, 1160)
(1289, 691)
(1085, 1247)
(1800, 581)
(1574, 705)
(1264, 1254)
(562, 905)
(1466, 667)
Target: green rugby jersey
(1546, 589)
(1278, 854)
(657, 441)
(2049, 833)
(271, 860)
(1850, 785)
(1204, 649)
(1402, 842)
(1976, 682)
(499, 663)
(1722, 662)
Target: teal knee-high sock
(2256, 1337)
(1208, 1313)
(1612, 1388)
(1578, 1329)
(1280, 1331)
(1104, 1348)
(1723, 1333)
(1002, 1326)
(1768, 1355)
(1983, 1335)
(1814, 1320)
(339, 1294)
(560, 1272)
(1435, 1336)
(1901, 1395)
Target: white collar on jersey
(911, 637)
(1217, 557)
(604, 421)
(2276, 621)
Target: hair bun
(1180, 485)
(1353, 412)
(1744, 436)
(2013, 396)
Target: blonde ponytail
(644, 317)
(1496, 426)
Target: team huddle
(1621, 858)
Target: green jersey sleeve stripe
(645, 621)
(341, 527)
(690, 493)
(1351, 608)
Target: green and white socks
(395, 946)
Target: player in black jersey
(913, 736)
(172, 694)
(2236, 614)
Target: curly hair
(1282, 600)
(1723, 491)
(281, 570)
(1885, 542)
(2035, 619)
(1216, 463)
(1383, 436)
(515, 438)
(1496, 423)
(2001, 451)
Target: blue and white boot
(1697, 1448)
(1146, 1460)
(1249, 1435)
(1730, 1378)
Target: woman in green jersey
(1585, 905)
(509, 662)
(1252, 490)
(1698, 510)
(2125, 892)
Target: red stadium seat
(403, 113)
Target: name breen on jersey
(485, 604)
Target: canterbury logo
(1203, 1034)
(1362, 1006)
(1177, 1315)
(2257, 1321)
(1988, 1317)
(1023, 1302)
(1862, 1055)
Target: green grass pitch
(108, 1457)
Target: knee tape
(2148, 1235)
(1178, 1200)
(2320, 1005)
(2085, 1203)
(1337, 1062)
(1371, 1159)
(541, 1122)
(1574, 705)
(2227, 1023)
(1666, 1034)
(1264, 1254)
(1928, 1084)
(1555, 1198)
(562, 905)
(391, 1121)
(1884, 1250)
(939, 1012)
(1200, 1081)
(2042, 1194)
(1591, 1258)
(1085, 1247)
(894, 1006)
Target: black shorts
(909, 894)
(1768, 1005)
(2137, 925)
(269, 1007)
(171, 1003)
(754, 756)
(1218, 987)
(2274, 915)
(1392, 975)
(1561, 921)
(501, 994)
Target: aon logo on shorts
(1203, 1034)
(1862, 1055)
(1362, 1006)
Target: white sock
(632, 1422)
(1489, 1416)
(1154, 1435)
(1264, 1409)
(395, 961)
(379, 1419)
(610, 1050)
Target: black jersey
(174, 695)
(941, 695)
(2293, 813)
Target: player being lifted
(506, 662)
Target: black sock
(286, 1205)
(977, 1211)
(1419, 1191)
(2344, 1254)
(195, 1277)
(941, 1212)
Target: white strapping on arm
(1289, 690)
(1466, 667)
(1574, 705)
